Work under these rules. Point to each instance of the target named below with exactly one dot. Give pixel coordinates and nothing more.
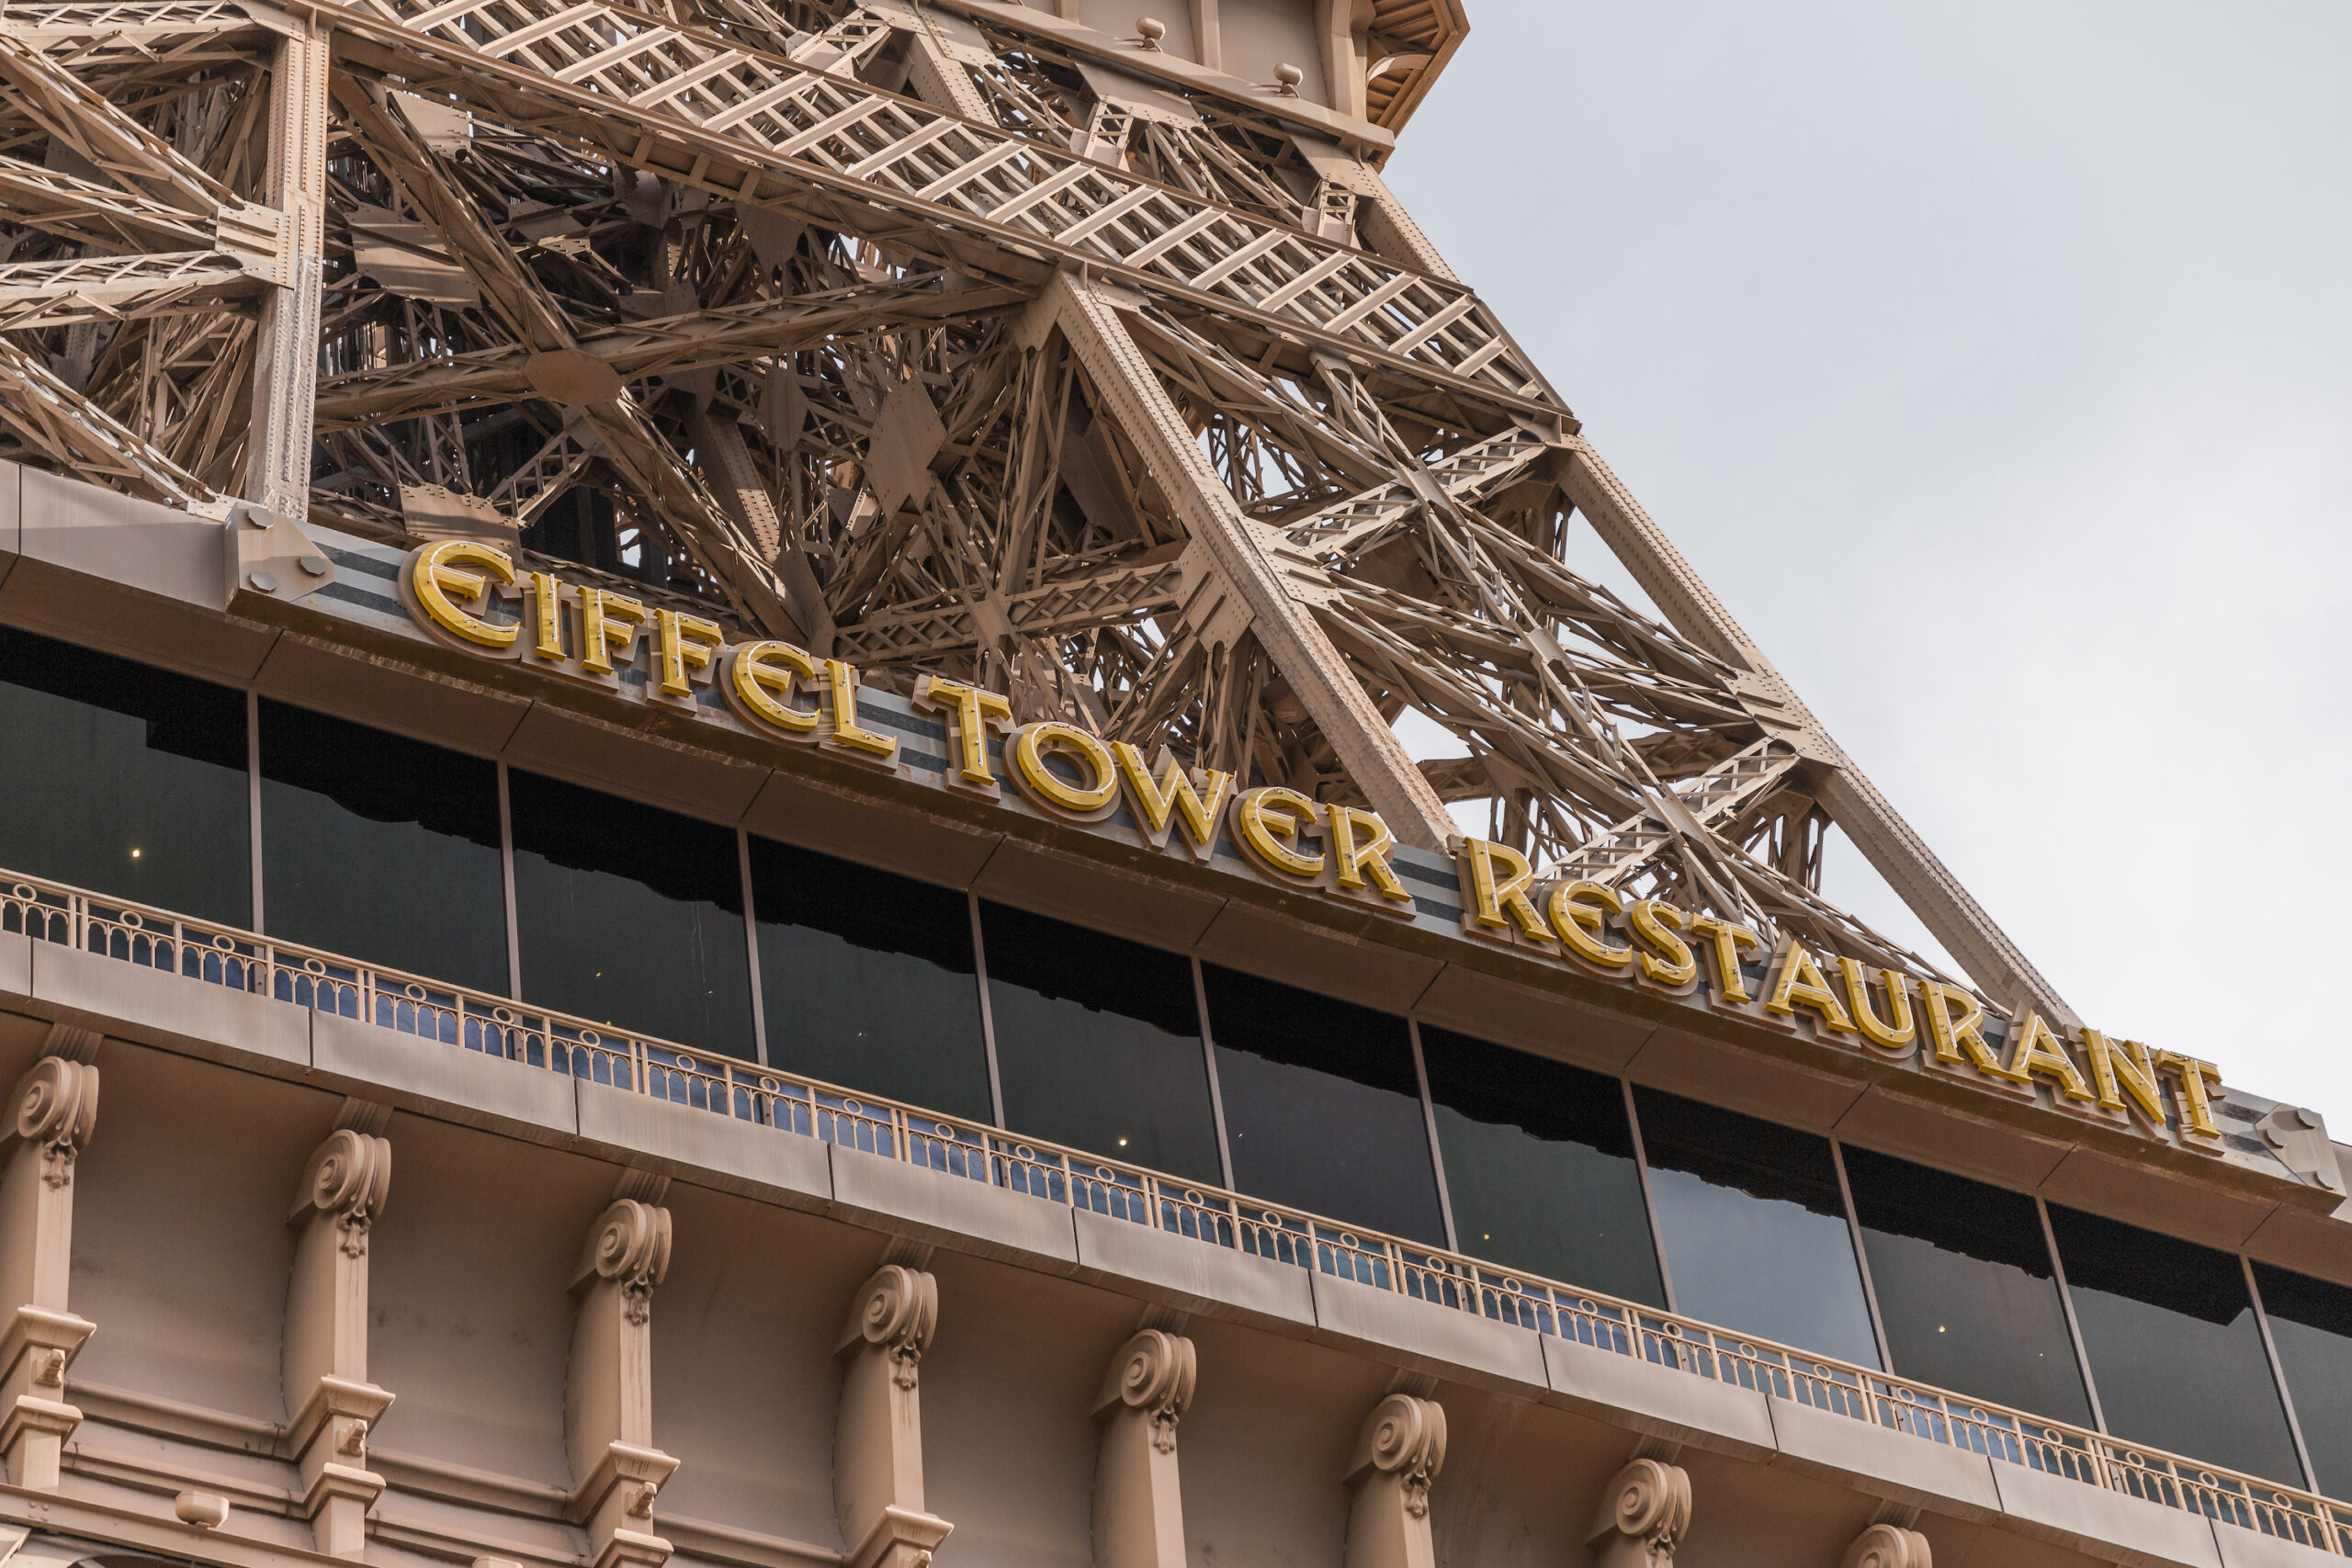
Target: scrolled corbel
(1643, 1516)
(348, 1178)
(629, 1245)
(1405, 1437)
(1888, 1546)
(1154, 1373)
(57, 1109)
(898, 1311)
(1397, 1455)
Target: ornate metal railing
(956, 1149)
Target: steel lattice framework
(934, 343)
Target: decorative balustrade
(460, 1018)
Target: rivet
(316, 565)
(262, 581)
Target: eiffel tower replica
(1088, 359)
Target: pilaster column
(1398, 1453)
(608, 1400)
(324, 1363)
(1888, 1546)
(878, 1433)
(1138, 1506)
(1642, 1515)
(53, 1112)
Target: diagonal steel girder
(1893, 847)
(1243, 553)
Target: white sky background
(1994, 363)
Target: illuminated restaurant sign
(468, 595)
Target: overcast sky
(1994, 363)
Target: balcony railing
(1281, 1237)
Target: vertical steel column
(2073, 1327)
(1208, 1057)
(987, 1012)
(1649, 1200)
(1429, 1126)
(286, 358)
(507, 871)
(2279, 1374)
(1861, 1257)
(752, 948)
(252, 797)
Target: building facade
(616, 1051)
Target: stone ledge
(1675, 1406)
(157, 1007)
(758, 1162)
(1215, 1281)
(447, 1082)
(2242, 1548)
(2070, 1513)
(1443, 1341)
(1883, 1461)
(955, 1213)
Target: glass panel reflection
(630, 915)
(129, 780)
(382, 848)
(1754, 1227)
(2173, 1344)
(1539, 1165)
(867, 980)
(1323, 1106)
(2310, 1322)
(1098, 1043)
(1966, 1289)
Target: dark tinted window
(1539, 1165)
(2310, 1322)
(1098, 1042)
(630, 915)
(1754, 1227)
(127, 779)
(1323, 1106)
(2173, 1344)
(867, 980)
(382, 848)
(1966, 1289)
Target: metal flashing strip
(1271, 1235)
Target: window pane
(1323, 1106)
(1964, 1286)
(2173, 1344)
(630, 915)
(1098, 1042)
(2310, 1322)
(867, 980)
(1539, 1164)
(129, 780)
(1754, 1228)
(382, 848)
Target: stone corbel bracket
(1397, 1456)
(1888, 1546)
(56, 1110)
(1644, 1513)
(343, 1189)
(877, 1432)
(1138, 1503)
(609, 1402)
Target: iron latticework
(934, 343)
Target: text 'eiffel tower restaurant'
(800, 724)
